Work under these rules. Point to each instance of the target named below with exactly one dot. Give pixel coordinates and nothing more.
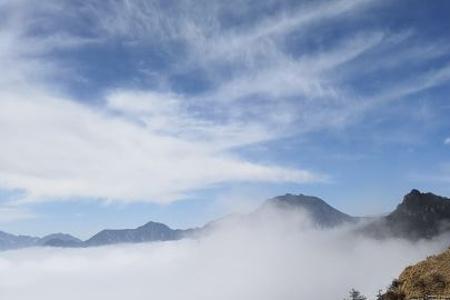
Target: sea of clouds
(274, 257)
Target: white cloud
(55, 148)
(142, 146)
(265, 261)
(169, 114)
(293, 93)
(198, 24)
(447, 141)
(157, 145)
(260, 41)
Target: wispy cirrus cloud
(198, 88)
(58, 148)
(142, 146)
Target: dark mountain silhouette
(418, 216)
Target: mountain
(321, 213)
(10, 241)
(60, 240)
(419, 215)
(152, 231)
(428, 279)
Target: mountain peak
(299, 199)
(420, 215)
(61, 237)
(60, 240)
(321, 213)
(151, 231)
(153, 224)
(414, 192)
(418, 202)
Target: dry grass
(430, 277)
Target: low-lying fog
(267, 259)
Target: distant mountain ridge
(10, 241)
(322, 215)
(419, 215)
(152, 231)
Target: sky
(114, 113)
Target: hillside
(428, 278)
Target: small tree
(380, 295)
(355, 295)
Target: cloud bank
(268, 259)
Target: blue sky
(114, 113)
